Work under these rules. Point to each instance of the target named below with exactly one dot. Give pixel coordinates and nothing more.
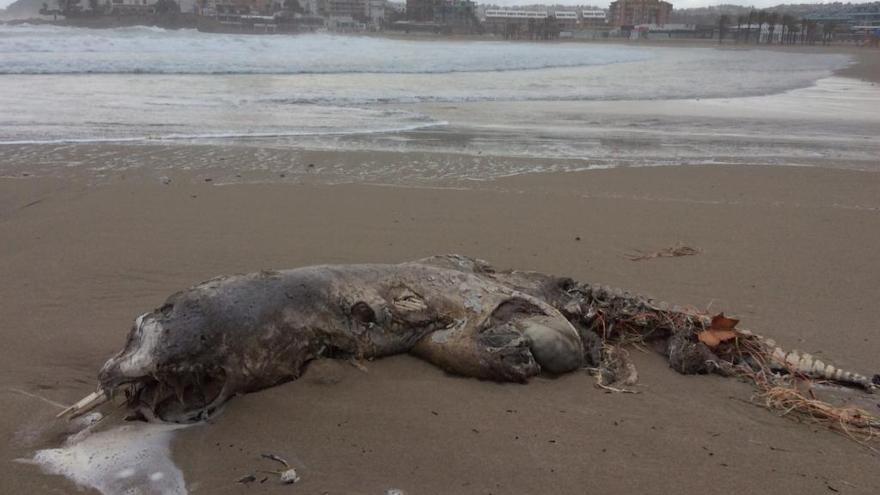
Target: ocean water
(587, 104)
(150, 50)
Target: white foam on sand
(131, 459)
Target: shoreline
(822, 123)
(467, 150)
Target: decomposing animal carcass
(242, 333)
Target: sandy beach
(789, 250)
(792, 251)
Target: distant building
(130, 6)
(396, 7)
(458, 16)
(375, 12)
(507, 15)
(566, 20)
(348, 15)
(669, 31)
(593, 18)
(238, 7)
(355, 10)
(421, 10)
(634, 12)
(441, 16)
(262, 16)
(852, 20)
(524, 24)
(311, 7)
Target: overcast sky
(604, 3)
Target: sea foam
(129, 459)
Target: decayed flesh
(237, 334)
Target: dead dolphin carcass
(243, 333)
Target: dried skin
(242, 333)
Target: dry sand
(792, 251)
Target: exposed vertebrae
(808, 365)
(616, 313)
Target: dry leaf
(721, 322)
(722, 329)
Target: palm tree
(761, 17)
(739, 22)
(772, 18)
(787, 22)
(749, 31)
(793, 29)
(784, 23)
(723, 22)
(828, 31)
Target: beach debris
(796, 401)
(165, 180)
(677, 250)
(250, 478)
(288, 475)
(615, 371)
(359, 365)
(273, 457)
(241, 333)
(128, 458)
(720, 330)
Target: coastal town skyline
(604, 3)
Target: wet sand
(792, 251)
(867, 67)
